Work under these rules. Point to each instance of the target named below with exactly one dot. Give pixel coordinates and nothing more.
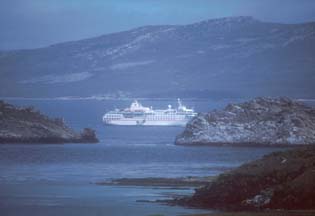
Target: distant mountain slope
(236, 56)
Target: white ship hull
(144, 116)
(134, 122)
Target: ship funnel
(179, 102)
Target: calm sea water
(60, 179)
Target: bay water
(55, 179)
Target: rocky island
(280, 180)
(261, 121)
(26, 125)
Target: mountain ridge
(238, 55)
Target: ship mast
(179, 103)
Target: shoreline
(178, 182)
(26, 125)
(45, 140)
(195, 182)
(278, 181)
(95, 97)
(241, 144)
(260, 213)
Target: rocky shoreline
(280, 180)
(26, 125)
(259, 122)
(261, 213)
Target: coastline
(195, 183)
(260, 213)
(25, 125)
(242, 144)
(189, 181)
(280, 180)
(46, 140)
(263, 121)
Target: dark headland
(258, 122)
(26, 125)
(281, 180)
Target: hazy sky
(37, 23)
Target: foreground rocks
(282, 180)
(25, 125)
(262, 121)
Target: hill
(226, 57)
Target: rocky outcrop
(26, 125)
(281, 180)
(261, 121)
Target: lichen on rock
(261, 121)
(27, 125)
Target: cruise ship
(137, 114)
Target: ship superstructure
(137, 114)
